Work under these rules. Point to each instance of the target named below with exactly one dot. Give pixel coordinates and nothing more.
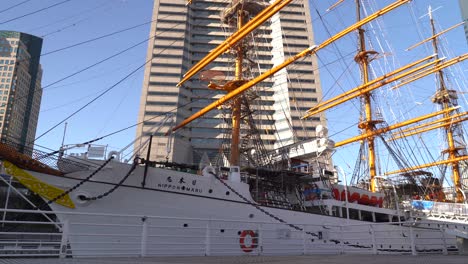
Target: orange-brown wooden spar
(432, 164)
(426, 72)
(452, 122)
(362, 89)
(392, 127)
(236, 37)
(418, 75)
(334, 5)
(381, 78)
(435, 36)
(457, 118)
(301, 54)
(362, 22)
(244, 87)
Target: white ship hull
(200, 216)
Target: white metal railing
(450, 208)
(92, 234)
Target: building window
(162, 103)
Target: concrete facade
(464, 13)
(20, 87)
(184, 34)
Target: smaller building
(464, 13)
(20, 88)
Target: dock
(322, 259)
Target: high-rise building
(464, 13)
(184, 34)
(20, 87)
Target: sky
(396, 32)
(76, 21)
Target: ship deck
(323, 259)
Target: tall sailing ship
(252, 199)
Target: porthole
(81, 198)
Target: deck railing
(450, 208)
(136, 235)
(441, 208)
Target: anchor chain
(135, 163)
(261, 209)
(78, 184)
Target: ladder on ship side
(274, 195)
(300, 198)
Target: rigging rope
(357, 166)
(13, 6)
(261, 209)
(135, 163)
(80, 183)
(45, 203)
(295, 226)
(34, 12)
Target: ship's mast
(239, 85)
(446, 99)
(408, 73)
(236, 105)
(367, 124)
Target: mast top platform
(444, 96)
(250, 7)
